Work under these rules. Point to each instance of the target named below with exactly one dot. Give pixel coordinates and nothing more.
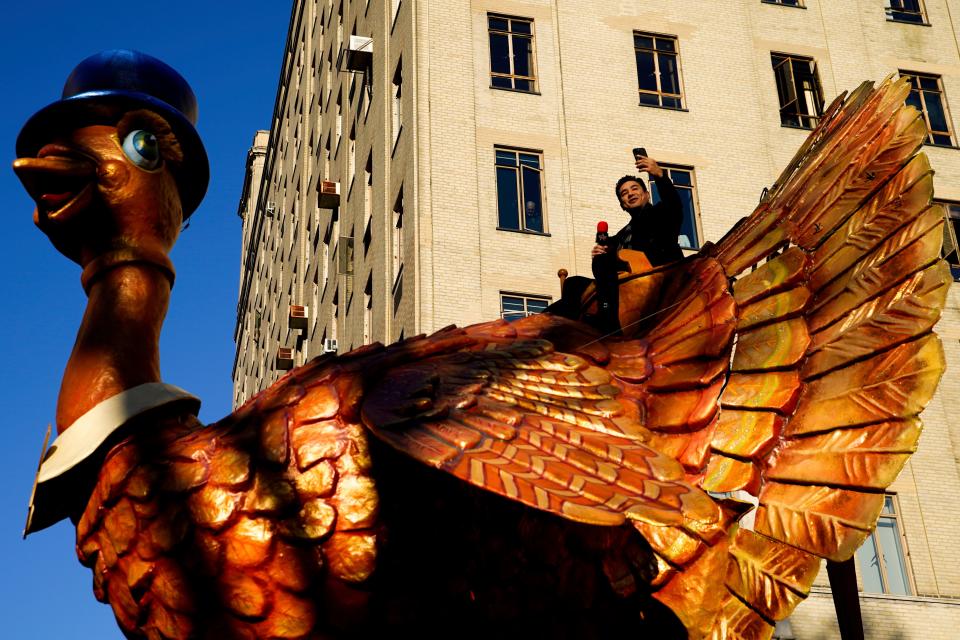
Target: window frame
(920, 12)
(517, 167)
(526, 298)
(660, 93)
(397, 102)
(895, 516)
(783, 3)
(922, 93)
(807, 121)
(668, 170)
(510, 34)
(951, 212)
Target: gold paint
(270, 494)
(317, 518)
(213, 507)
(248, 542)
(356, 501)
(230, 467)
(316, 481)
(351, 556)
(318, 441)
(181, 476)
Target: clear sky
(230, 52)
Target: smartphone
(639, 152)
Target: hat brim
(107, 107)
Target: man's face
(633, 195)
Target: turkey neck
(118, 344)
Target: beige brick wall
(584, 119)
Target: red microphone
(603, 235)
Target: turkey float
(532, 478)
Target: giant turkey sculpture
(504, 479)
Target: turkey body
(271, 523)
(532, 478)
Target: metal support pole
(846, 599)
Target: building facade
(435, 162)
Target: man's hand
(649, 165)
(598, 250)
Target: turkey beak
(59, 180)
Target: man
(653, 229)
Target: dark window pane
(501, 82)
(512, 308)
(646, 73)
(688, 228)
(506, 158)
(680, 178)
(499, 53)
(509, 217)
(938, 119)
(522, 85)
(914, 100)
(521, 26)
(930, 83)
(669, 77)
(643, 42)
(942, 140)
(535, 305)
(650, 99)
(522, 56)
(666, 44)
(497, 23)
(672, 103)
(530, 160)
(533, 210)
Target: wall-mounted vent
(284, 358)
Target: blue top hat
(105, 86)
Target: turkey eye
(142, 149)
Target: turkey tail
(838, 284)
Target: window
(658, 70)
(351, 158)
(798, 86)
(926, 94)
(951, 231)
(511, 53)
(398, 236)
(683, 179)
(514, 306)
(367, 309)
(785, 3)
(881, 559)
(906, 11)
(397, 101)
(519, 190)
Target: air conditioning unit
(330, 346)
(270, 209)
(358, 54)
(298, 316)
(328, 194)
(284, 358)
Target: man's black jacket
(655, 229)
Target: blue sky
(230, 53)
